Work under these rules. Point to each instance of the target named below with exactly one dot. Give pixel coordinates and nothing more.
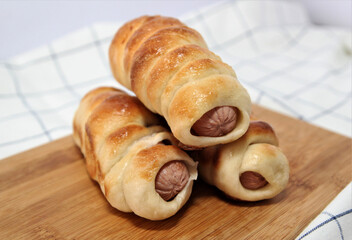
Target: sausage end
(252, 180)
(171, 179)
(217, 122)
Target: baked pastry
(170, 69)
(132, 157)
(252, 168)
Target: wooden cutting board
(45, 193)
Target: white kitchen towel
(335, 222)
(285, 62)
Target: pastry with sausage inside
(132, 157)
(170, 69)
(251, 168)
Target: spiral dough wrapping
(131, 156)
(252, 168)
(171, 70)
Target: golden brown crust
(108, 116)
(161, 57)
(117, 52)
(118, 142)
(149, 26)
(261, 132)
(155, 47)
(183, 107)
(125, 132)
(115, 130)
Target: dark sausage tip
(217, 122)
(171, 179)
(252, 180)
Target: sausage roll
(252, 168)
(132, 157)
(171, 70)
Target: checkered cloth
(286, 63)
(334, 222)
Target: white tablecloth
(285, 62)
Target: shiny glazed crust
(256, 151)
(170, 69)
(120, 140)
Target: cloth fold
(335, 221)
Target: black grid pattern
(332, 218)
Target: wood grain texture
(45, 193)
